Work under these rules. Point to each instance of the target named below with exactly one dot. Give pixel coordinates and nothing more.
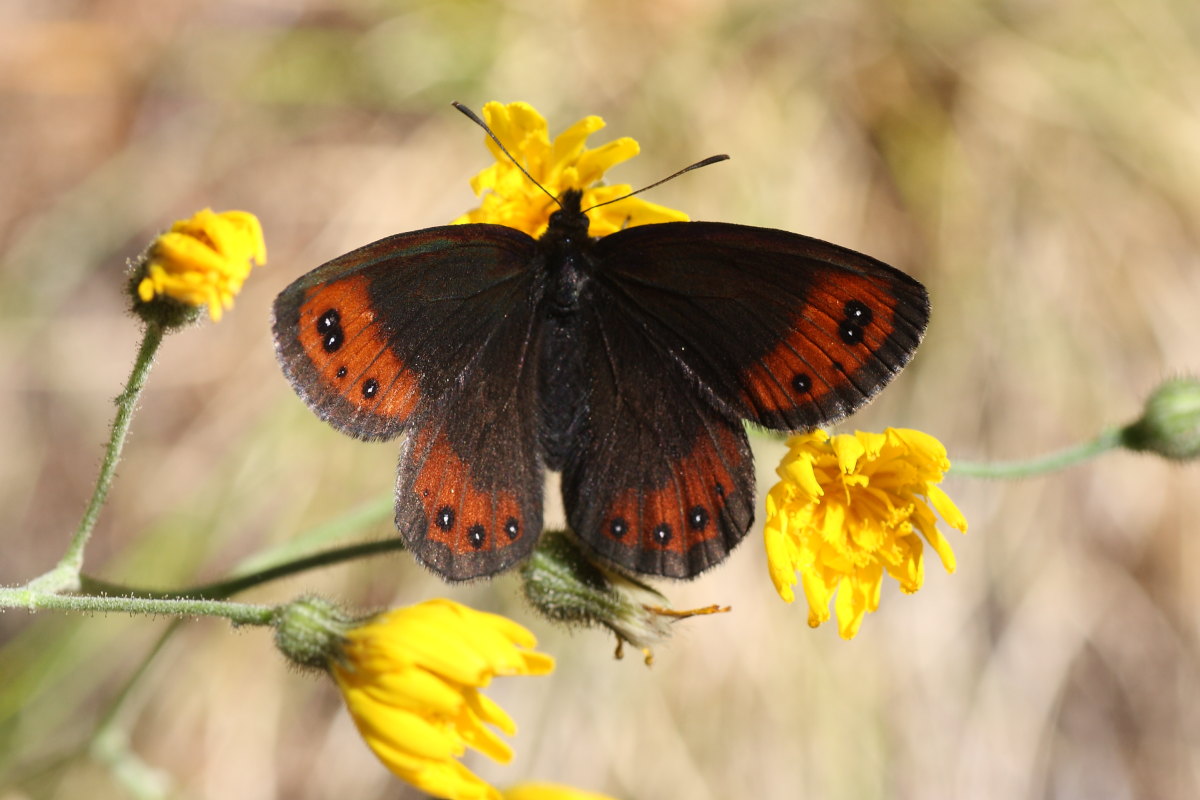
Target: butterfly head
(569, 222)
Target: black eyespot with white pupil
(698, 518)
(859, 313)
(661, 533)
(341, 373)
(476, 536)
(369, 388)
(512, 528)
(444, 518)
(801, 383)
(333, 340)
(328, 321)
(850, 332)
(618, 528)
(858, 316)
(329, 326)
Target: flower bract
(411, 679)
(850, 509)
(507, 197)
(203, 260)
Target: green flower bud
(1170, 425)
(566, 587)
(310, 631)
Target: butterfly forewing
(431, 332)
(782, 329)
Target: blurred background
(1035, 164)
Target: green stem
(1069, 457)
(238, 613)
(65, 575)
(230, 586)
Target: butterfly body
(627, 362)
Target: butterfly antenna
(697, 165)
(471, 115)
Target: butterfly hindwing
(469, 488)
(657, 481)
(431, 332)
(782, 329)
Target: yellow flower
(848, 508)
(203, 261)
(411, 679)
(508, 198)
(549, 791)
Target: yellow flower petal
(203, 260)
(549, 791)
(853, 508)
(411, 680)
(507, 197)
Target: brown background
(1035, 164)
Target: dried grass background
(1037, 165)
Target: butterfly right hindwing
(657, 480)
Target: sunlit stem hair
(471, 115)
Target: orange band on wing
(349, 348)
(834, 335)
(460, 516)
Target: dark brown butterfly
(628, 362)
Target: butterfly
(628, 362)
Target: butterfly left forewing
(782, 329)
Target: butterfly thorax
(564, 248)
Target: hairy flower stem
(65, 576)
(238, 613)
(1109, 439)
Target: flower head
(849, 508)
(508, 197)
(411, 679)
(201, 261)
